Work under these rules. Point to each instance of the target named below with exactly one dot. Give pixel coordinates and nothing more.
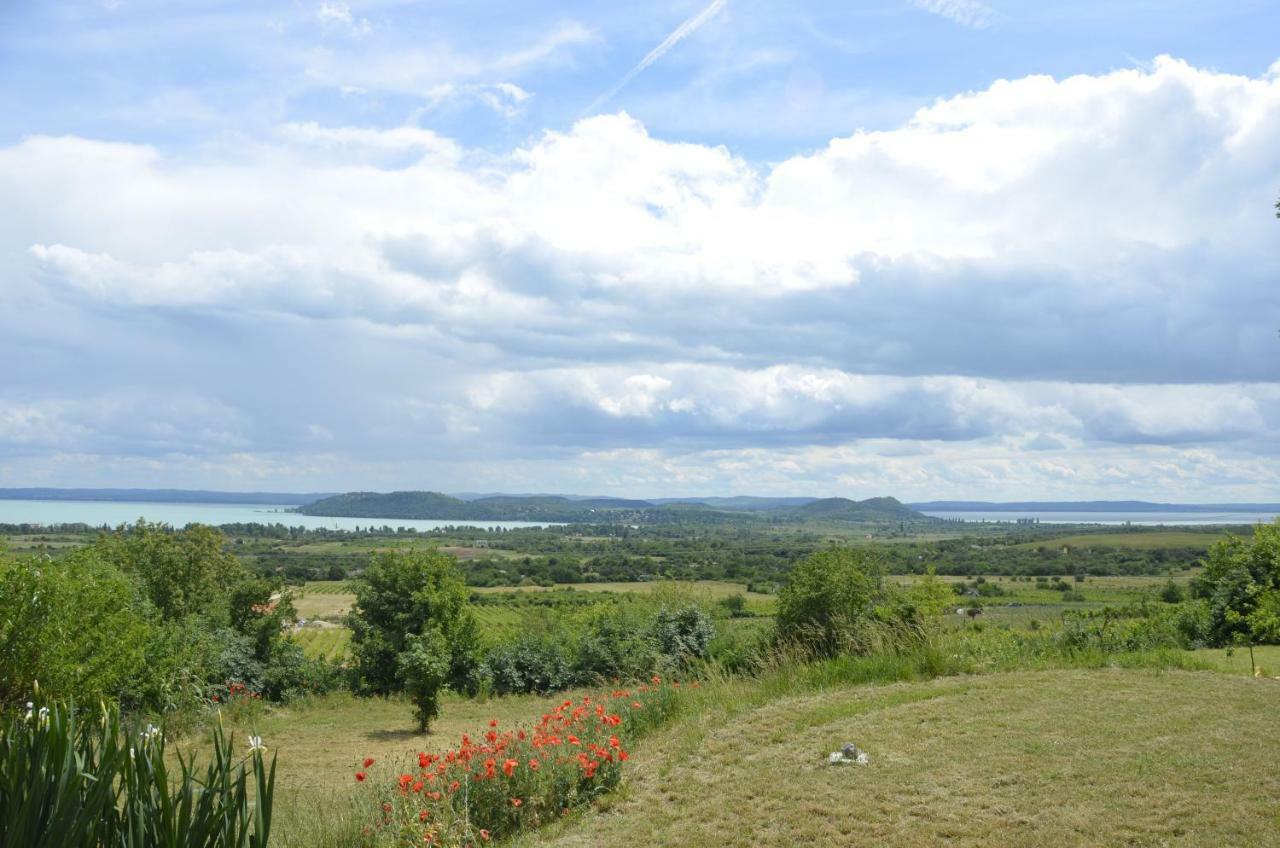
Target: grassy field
(711, 588)
(1057, 758)
(1146, 540)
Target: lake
(1110, 518)
(97, 513)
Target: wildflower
(30, 709)
(484, 834)
(515, 802)
(368, 761)
(255, 745)
(493, 722)
(533, 765)
(423, 815)
(361, 776)
(509, 767)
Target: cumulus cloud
(1027, 279)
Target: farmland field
(1146, 540)
(323, 642)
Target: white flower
(43, 715)
(151, 732)
(30, 707)
(255, 744)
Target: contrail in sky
(680, 33)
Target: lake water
(1111, 518)
(97, 513)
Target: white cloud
(336, 14)
(1021, 281)
(969, 13)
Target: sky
(934, 249)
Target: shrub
(538, 664)
(838, 602)
(615, 644)
(682, 635)
(1172, 593)
(92, 784)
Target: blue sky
(929, 248)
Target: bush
(530, 664)
(92, 784)
(615, 645)
(838, 602)
(682, 635)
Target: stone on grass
(848, 755)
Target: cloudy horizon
(373, 246)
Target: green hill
(870, 510)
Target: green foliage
(92, 784)
(1172, 593)
(77, 626)
(837, 601)
(530, 663)
(1241, 583)
(403, 594)
(682, 635)
(423, 667)
(931, 597)
(183, 573)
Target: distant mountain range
(559, 508)
(1088, 506)
(471, 506)
(162, 496)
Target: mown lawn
(1054, 757)
(1051, 758)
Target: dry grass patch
(1046, 758)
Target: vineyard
(324, 642)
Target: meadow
(1011, 727)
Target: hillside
(559, 508)
(870, 510)
(1107, 757)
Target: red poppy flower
(360, 777)
(368, 761)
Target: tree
(404, 594)
(1241, 584)
(183, 572)
(424, 667)
(837, 601)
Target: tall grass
(75, 783)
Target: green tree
(837, 601)
(184, 572)
(1241, 584)
(403, 594)
(76, 626)
(423, 666)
